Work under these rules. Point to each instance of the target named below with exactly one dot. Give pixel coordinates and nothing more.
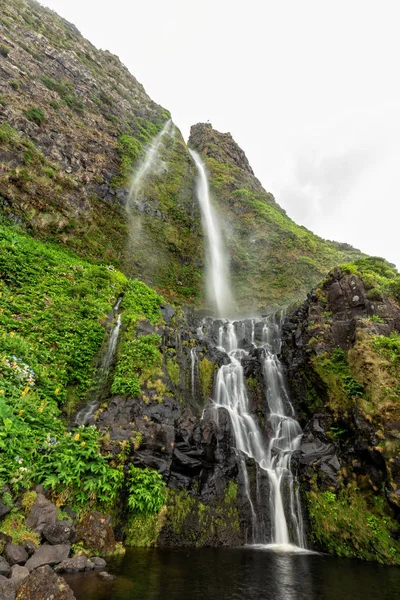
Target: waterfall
(272, 452)
(85, 414)
(148, 163)
(218, 289)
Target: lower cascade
(271, 448)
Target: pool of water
(238, 574)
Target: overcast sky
(310, 89)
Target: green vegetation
(146, 491)
(14, 526)
(136, 359)
(129, 150)
(52, 305)
(66, 91)
(334, 370)
(4, 50)
(35, 114)
(206, 374)
(353, 524)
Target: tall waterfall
(218, 289)
(271, 450)
(148, 162)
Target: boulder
(15, 554)
(42, 514)
(4, 509)
(18, 574)
(96, 533)
(5, 568)
(30, 547)
(48, 555)
(75, 564)
(98, 562)
(44, 584)
(59, 533)
(7, 589)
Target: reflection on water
(238, 574)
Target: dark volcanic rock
(48, 555)
(4, 509)
(15, 554)
(75, 564)
(5, 568)
(42, 514)
(59, 533)
(44, 584)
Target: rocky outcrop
(96, 533)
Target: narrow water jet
(86, 413)
(217, 275)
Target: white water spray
(148, 163)
(284, 432)
(218, 289)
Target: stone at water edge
(105, 576)
(44, 584)
(4, 509)
(42, 513)
(15, 554)
(98, 562)
(48, 555)
(75, 564)
(7, 589)
(96, 533)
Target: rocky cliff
(342, 349)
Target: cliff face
(342, 349)
(73, 125)
(273, 260)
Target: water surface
(238, 574)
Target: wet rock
(15, 554)
(96, 533)
(5, 568)
(44, 584)
(75, 564)
(48, 555)
(42, 514)
(59, 533)
(105, 576)
(18, 574)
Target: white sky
(310, 89)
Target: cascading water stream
(272, 457)
(218, 289)
(85, 414)
(284, 433)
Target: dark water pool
(238, 574)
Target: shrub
(4, 50)
(146, 490)
(35, 114)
